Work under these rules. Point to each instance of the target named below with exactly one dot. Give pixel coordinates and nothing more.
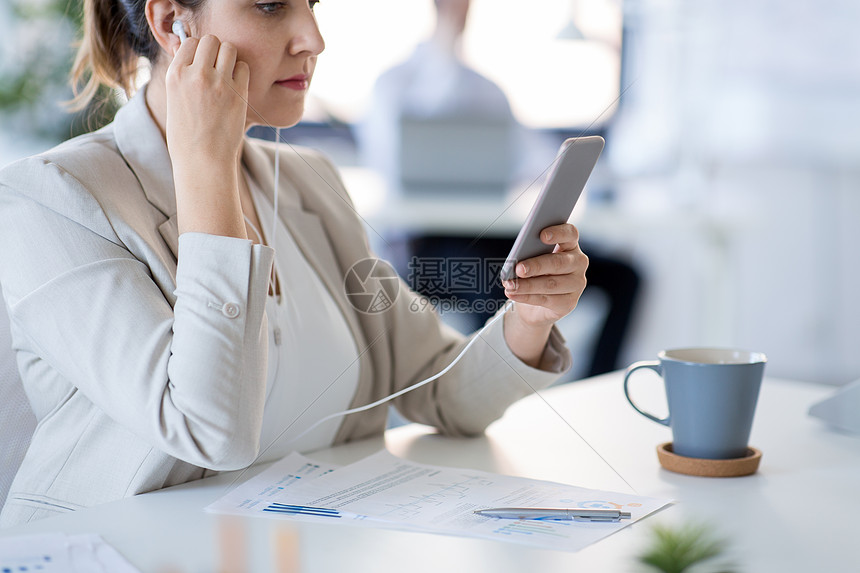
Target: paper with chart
(60, 553)
(385, 491)
(262, 494)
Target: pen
(555, 514)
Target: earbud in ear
(179, 30)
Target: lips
(297, 82)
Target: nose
(307, 37)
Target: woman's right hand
(207, 94)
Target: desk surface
(795, 514)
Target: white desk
(798, 513)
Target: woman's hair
(116, 34)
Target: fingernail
(548, 235)
(524, 269)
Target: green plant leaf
(677, 550)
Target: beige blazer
(143, 353)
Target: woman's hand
(207, 94)
(546, 289)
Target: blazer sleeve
(188, 377)
(485, 381)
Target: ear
(160, 15)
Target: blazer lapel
(304, 226)
(140, 142)
(142, 145)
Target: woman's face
(280, 42)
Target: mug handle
(655, 366)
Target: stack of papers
(60, 553)
(385, 491)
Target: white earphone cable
(276, 288)
(390, 397)
(254, 228)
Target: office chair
(17, 421)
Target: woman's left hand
(546, 289)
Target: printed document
(385, 491)
(60, 553)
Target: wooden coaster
(708, 468)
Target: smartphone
(570, 170)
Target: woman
(160, 337)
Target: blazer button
(230, 309)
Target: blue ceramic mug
(712, 395)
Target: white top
(313, 367)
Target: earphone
(179, 30)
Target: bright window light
(550, 81)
